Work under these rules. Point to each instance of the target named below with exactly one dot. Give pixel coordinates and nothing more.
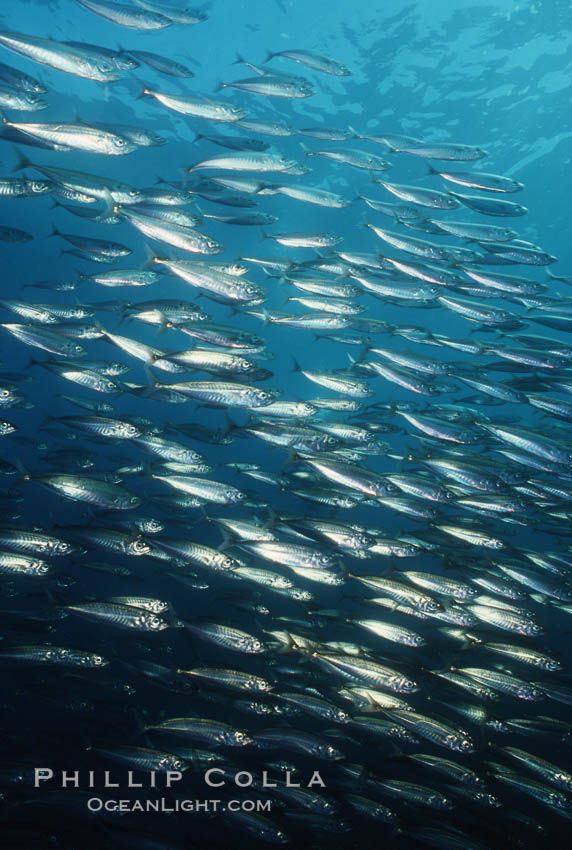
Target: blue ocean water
(488, 74)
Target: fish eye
(4, 393)
(211, 243)
(77, 349)
(97, 660)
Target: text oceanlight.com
(168, 806)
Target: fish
(338, 383)
(305, 240)
(204, 730)
(246, 161)
(100, 494)
(354, 157)
(433, 730)
(20, 100)
(272, 86)
(313, 60)
(195, 105)
(226, 636)
(127, 16)
(490, 206)
(56, 655)
(163, 64)
(23, 565)
(71, 60)
(177, 13)
(234, 142)
(123, 277)
(116, 57)
(229, 678)
(44, 339)
(311, 195)
(176, 235)
(136, 135)
(420, 197)
(119, 615)
(443, 151)
(479, 180)
(88, 185)
(334, 476)
(14, 234)
(79, 137)
(17, 79)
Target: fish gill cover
(286, 390)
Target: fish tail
(143, 90)
(22, 161)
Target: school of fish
(374, 581)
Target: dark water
(493, 75)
